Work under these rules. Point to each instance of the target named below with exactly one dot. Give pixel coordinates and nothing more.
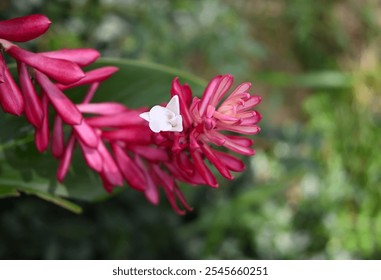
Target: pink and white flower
(210, 120)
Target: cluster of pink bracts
(115, 142)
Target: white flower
(166, 118)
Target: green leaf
(324, 79)
(7, 191)
(139, 83)
(313, 80)
(24, 169)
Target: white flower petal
(165, 119)
(159, 112)
(145, 116)
(176, 124)
(174, 105)
(155, 126)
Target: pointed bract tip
(82, 56)
(24, 28)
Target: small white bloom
(166, 118)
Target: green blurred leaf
(313, 80)
(6, 191)
(324, 79)
(53, 198)
(23, 168)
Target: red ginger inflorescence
(117, 142)
(149, 161)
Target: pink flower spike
(185, 94)
(250, 120)
(178, 173)
(133, 135)
(33, 108)
(86, 134)
(25, 28)
(166, 180)
(57, 138)
(8, 100)
(150, 153)
(62, 71)
(126, 118)
(151, 192)
(223, 87)
(239, 140)
(236, 147)
(183, 91)
(208, 94)
(64, 107)
(253, 129)
(242, 88)
(97, 75)
(168, 185)
(184, 163)
(92, 157)
(42, 133)
(224, 118)
(251, 102)
(235, 143)
(82, 57)
(216, 161)
(104, 108)
(10, 96)
(110, 169)
(130, 171)
(64, 165)
(205, 172)
(231, 162)
(2, 69)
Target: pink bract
(25, 28)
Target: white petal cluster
(166, 118)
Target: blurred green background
(313, 189)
